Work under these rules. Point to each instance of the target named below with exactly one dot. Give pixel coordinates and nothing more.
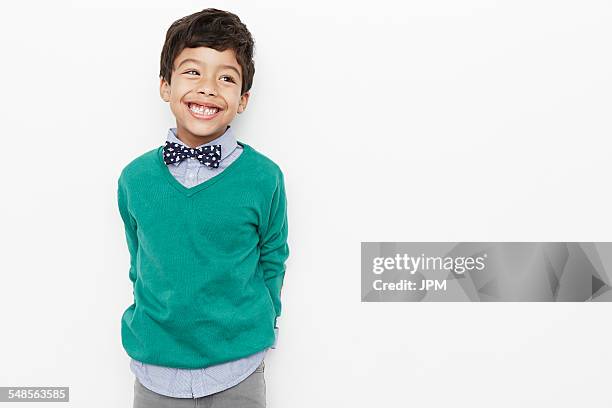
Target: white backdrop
(488, 120)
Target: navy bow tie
(208, 155)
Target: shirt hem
(214, 390)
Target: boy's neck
(195, 141)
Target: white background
(423, 121)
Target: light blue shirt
(196, 383)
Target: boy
(205, 220)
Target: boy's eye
(223, 76)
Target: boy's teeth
(201, 110)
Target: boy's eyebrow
(197, 62)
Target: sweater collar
(227, 141)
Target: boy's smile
(204, 93)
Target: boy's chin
(204, 130)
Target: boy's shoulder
(140, 165)
(262, 163)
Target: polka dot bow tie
(208, 155)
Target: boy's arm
(274, 249)
(130, 229)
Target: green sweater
(207, 263)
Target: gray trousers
(249, 393)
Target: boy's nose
(208, 91)
(207, 85)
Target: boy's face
(204, 75)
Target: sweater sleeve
(274, 249)
(130, 228)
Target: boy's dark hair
(213, 28)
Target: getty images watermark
(412, 265)
(486, 271)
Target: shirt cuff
(275, 337)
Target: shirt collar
(227, 141)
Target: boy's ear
(244, 100)
(164, 90)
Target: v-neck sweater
(207, 262)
